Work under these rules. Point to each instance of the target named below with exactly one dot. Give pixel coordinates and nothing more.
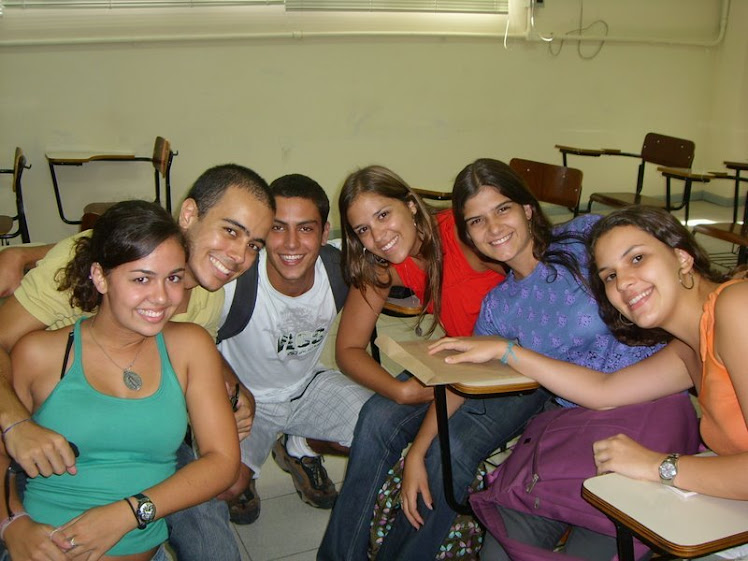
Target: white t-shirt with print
(278, 352)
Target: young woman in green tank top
(119, 385)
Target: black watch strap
(141, 524)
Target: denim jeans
(203, 531)
(384, 428)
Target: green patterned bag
(465, 536)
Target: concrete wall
(425, 106)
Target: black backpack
(246, 292)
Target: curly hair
(126, 232)
(663, 226)
(486, 172)
(362, 268)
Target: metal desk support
(78, 159)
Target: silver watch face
(668, 469)
(147, 511)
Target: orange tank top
(723, 426)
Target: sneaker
(309, 476)
(245, 508)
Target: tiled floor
(290, 530)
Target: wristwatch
(145, 512)
(669, 469)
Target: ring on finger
(72, 542)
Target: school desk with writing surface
(471, 380)
(680, 524)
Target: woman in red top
(391, 238)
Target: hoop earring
(624, 320)
(680, 280)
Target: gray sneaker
(309, 476)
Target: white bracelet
(8, 521)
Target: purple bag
(544, 473)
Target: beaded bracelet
(8, 521)
(508, 353)
(7, 430)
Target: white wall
(325, 106)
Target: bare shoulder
(186, 335)
(731, 304)
(40, 352)
(734, 294)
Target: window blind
(51, 4)
(463, 6)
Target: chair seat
(6, 224)
(733, 233)
(618, 200)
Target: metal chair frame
(659, 149)
(732, 232)
(19, 164)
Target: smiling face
(640, 275)
(142, 295)
(226, 240)
(500, 229)
(293, 244)
(385, 226)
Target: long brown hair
(663, 226)
(361, 268)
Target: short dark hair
(663, 226)
(303, 187)
(126, 232)
(213, 183)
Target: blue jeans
(202, 531)
(384, 428)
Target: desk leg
(625, 542)
(440, 399)
(58, 198)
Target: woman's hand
(95, 532)
(472, 349)
(623, 455)
(412, 391)
(415, 481)
(27, 540)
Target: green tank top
(126, 446)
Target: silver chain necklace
(130, 378)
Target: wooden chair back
(668, 151)
(162, 158)
(550, 183)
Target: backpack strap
(242, 305)
(332, 260)
(245, 295)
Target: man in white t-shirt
(291, 304)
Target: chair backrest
(162, 156)
(668, 151)
(550, 183)
(19, 164)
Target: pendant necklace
(130, 378)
